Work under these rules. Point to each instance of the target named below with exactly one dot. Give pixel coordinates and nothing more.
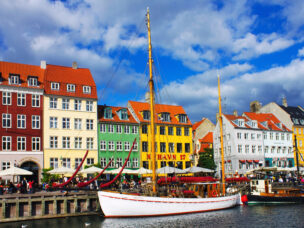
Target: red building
(21, 105)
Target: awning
(256, 161)
(249, 161)
(242, 161)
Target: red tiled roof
(115, 117)
(23, 70)
(174, 111)
(197, 124)
(208, 138)
(67, 75)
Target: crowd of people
(24, 186)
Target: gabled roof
(197, 124)
(23, 70)
(174, 111)
(296, 114)
(208, 138)
(115, 117)
(271, 120)
(67, 75)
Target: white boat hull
(116, 205)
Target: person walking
(24, 186)
(31, 187)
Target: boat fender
(244, 199)
(214, 193)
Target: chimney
(255, 106)
(74, 65)
(284, 102)
(43, 64)
(235, 113)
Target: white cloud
(301, 52)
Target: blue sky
(256, 46)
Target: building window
(32, 81)
(6, 120)
(103, 145)
(266, 149)
(36, 143)
(171, 147)
(170, 130)
(21, 99)
(165, 116)
(162, 147)
(53, 122)
(144, 129)
(272, 149)
(66, 143)
(65, 104)
(247, 149)
(111, 128)
(21, 121)
(53, 102)
(70, 87)
(144, 146)
(54, 163)
(36, 101)
(89, 106)
(54, 86)
(21, 142)
(260, 149)
(13, 80)
(111, 146)
(90, 161)
(86, 89)
(108, 113)
(103, 128)
(127, 146)
(90, 143)
(282, 136)
(124, 114)
(77, 162)
(119, 162)
(53, 142)
(78, 142)
(271, 136)
(118, 128)
(89, 124)
(186, 131)
(259, 136)
(6, 143)
(239, 149)
(6, 98)
(119, 146)
(146, 115)
(252, 136)
(134, 129)
(77, 105)
(163, 164)
(182, 118)
(187, 147)
(253, 149)
(277, 136)
(65, 123)
(162, 130)
(178, 131)
(35, 122)
(264, 135)
(6, 165)
(66, 162)
(103, 162)
(179, 147)
(135, 147)
(288, 137)
(239, 135)
(77, 124)
(135, 162)
(246, 136)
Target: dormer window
(1, 79)
(182, 118)
(302, 121)
(14, 79)
(146, 115)
(86, 89)
(279, 125)
(54, 86)
(265, 124)
(32, 81)
(70, 87)
(165, 116)
(240, 122)
(295, 120)
(123, 114)
(254, 124)
(108, 113)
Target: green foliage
(46, 177)
(206, 159)
(96, 165)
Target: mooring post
(65, 206)
(42, 206)
(17, 208)
(30, 207)
(55, 206)
(3, 209)
(88, 204)
(75, 205)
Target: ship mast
(220, 118)
(151, 88)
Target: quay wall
(19, 207)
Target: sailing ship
(117, 205)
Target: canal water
(286, 215)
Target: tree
(206, 159)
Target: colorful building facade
(117, 130)
(70, 117)
(21, 94)
(173, 135)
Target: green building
(117, 130)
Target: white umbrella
(196, 169)
(142, 170)
(91, 170)
(61, 170)
(116, 171)
(170, 170)
(15, 171)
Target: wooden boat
(116, 205)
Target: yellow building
(173, 135)
(298, 131)
(69, 117)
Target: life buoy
(214, 193)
